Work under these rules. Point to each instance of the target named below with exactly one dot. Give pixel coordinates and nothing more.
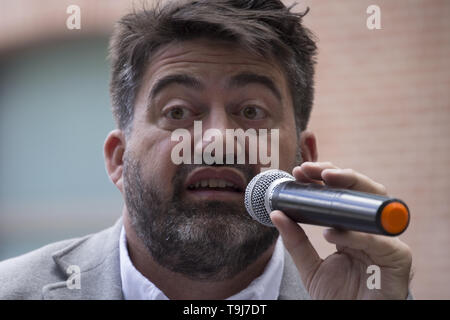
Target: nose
(212, 143)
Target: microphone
(320, 205)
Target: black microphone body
(321, 205)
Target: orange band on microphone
(394, 217)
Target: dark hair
(263, 27)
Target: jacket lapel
(97, 258)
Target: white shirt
(137, 287)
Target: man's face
(192, 217)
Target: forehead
(214, 61)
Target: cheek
(154, 152)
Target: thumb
(298, 245)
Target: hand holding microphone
(342, 275)
(324, 206)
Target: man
(184, 231)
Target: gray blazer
(41, 274)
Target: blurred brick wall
(382, 107)
(382, 103)
(29, 22)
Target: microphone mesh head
(255, 194)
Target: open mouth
(215, 184)
(211, 182)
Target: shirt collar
(137, 287)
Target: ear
(308, 146)
(113, 151)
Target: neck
(177, 286)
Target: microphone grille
(255, 194)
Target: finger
(309, 172)
(380, 248)
(350, 179)
(298, 245)
(313, 170)
(301, 177)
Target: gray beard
(209, 240)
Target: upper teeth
(212, 183)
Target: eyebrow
(239, 80)
(246, 78)
(182, 79)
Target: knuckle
(406, 250)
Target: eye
(253, 113)
(178, 113)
